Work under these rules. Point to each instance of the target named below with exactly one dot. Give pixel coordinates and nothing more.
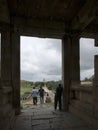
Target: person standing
(41, 94)
(34, 95)
(58, 95)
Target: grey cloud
(42, 59)
(54, 44)
(87, 52)
(53, 70)
(42, 62)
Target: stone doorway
(40, 60)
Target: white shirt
(34, 92)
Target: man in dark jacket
(58, 95)
(41, 93)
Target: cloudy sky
(41, 58)
(87, 52)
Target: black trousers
(56, 102)
(35, 100)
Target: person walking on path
(58, 95)
(41, 94)
(34, 95)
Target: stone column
(96, 40)
(0, 59)
(15, 40)
(75, 64)
(6, 67)
(6, 108)
(95, 87)
(6, 59)
(66, 64)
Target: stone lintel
(40, 27)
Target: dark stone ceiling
(74, 15)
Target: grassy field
(24, 90)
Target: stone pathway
(45, 118)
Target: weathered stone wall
(84, 99)
(84, 104)
(80, 107)
(7, 113)
(6, 109)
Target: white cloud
(87, 52)
(41, 58)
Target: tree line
(88, 79)
(51, 85)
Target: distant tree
(50, 84)
(89, 79)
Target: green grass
(24, 90)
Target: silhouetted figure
(58, 95)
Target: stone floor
(45, 118)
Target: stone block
(4, 124)
(81, 114)
(12, 118)
(86, 97)
(89, 119)
(5, 110)
(84, 107)
(95, 93)
(6, 98)
(8, 122)
(96, 112)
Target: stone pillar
(95, 88)
(0, 58)
(15, 40)
(6, 108)
(66, 64)
(96, 40)
(6, 67)
(75, 64)
(96, 71)
(6, 59)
